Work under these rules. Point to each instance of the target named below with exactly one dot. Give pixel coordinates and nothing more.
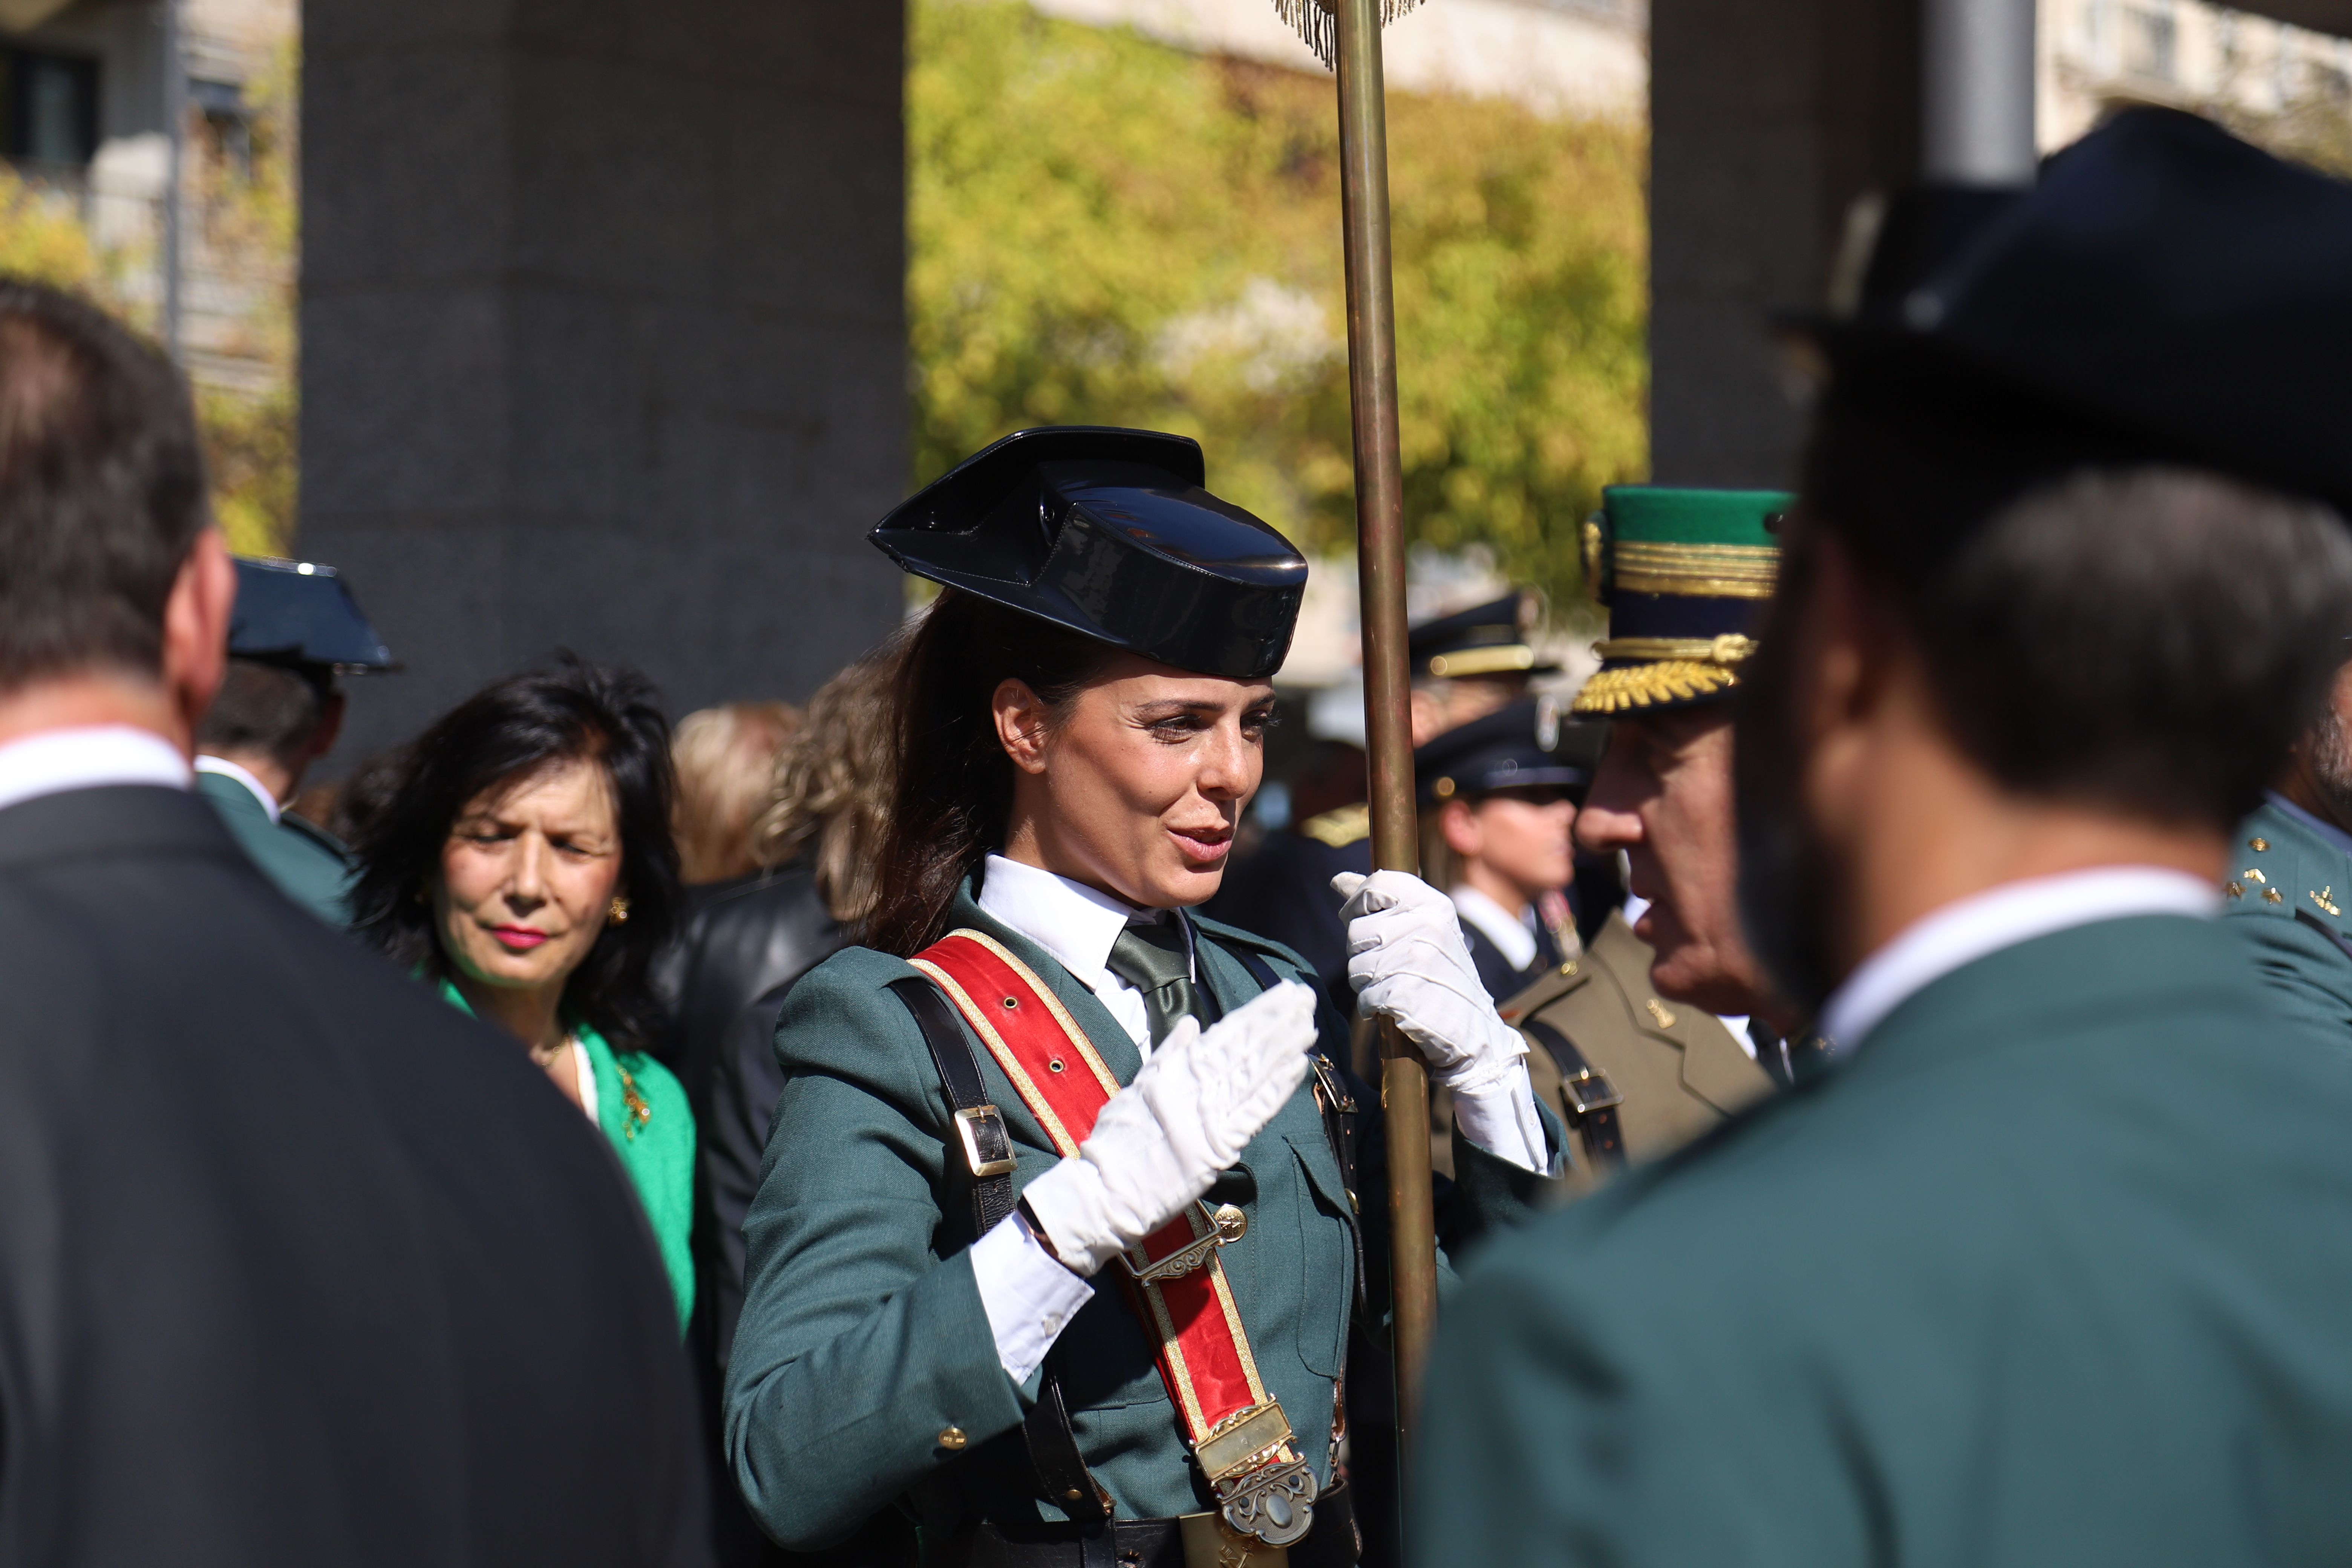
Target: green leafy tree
(249, 208)
(246, 207)
(1106, 230)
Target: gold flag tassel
(1313, 20)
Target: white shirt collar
(1508, 933)
(1069, 919)
(87, 757)
(2325, 829)
(229, 770)
(1983, 923)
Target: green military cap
(1684, 573)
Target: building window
(48, 108)
(228, 124)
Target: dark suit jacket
(296, 1264)
(2055, 1270)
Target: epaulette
(1544, 990)
(1339, 826)
(2256, 886)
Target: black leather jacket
(744, 943)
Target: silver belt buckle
(1265, 1491)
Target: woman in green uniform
(1054, 1258)
(521, 861)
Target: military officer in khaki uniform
(1663, 1026)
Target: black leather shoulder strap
(987, 1154)
(1592, 1099)
(986, 1149)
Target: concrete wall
(602, 337)
(1767, 122)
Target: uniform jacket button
(952, 1440)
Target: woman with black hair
(519, 858)
(1054, 1256)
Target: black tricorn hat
(1109, 533)
(2163, 282)
(299, 613)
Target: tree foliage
(1104, 230)
(242, 211)
(249, 207)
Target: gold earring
(619, 911)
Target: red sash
(1237, 1431)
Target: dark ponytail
(954, 781)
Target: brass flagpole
(1380, 564)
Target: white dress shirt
(229, 770)
(1984, 923)
(55, 761)
(1029, 1296)
(1514, 936)
(1075, 923)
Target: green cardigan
(656, 1149)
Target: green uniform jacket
(862, 1337)
(2285, 897)
(2056, 1269)
(306, 862)
(1678, 1068)
(656, 1149)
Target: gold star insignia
(2252, 875)
(2235, 890)
(2320, 898)
(1660, 1011)
(2271, 896)
(2258, 844)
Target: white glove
(1409, 965)
(1161, 1140)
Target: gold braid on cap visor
(1695, 571)
(1674, 670)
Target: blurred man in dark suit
(297, 1265)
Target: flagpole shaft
(1388, 721)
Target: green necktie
(1152, 956)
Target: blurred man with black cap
(297, 1265)
(1468, 664)
(297, 628)
(2049, 1266)
(1501, 806)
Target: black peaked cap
(2162, 278)
(300, 612)
(1485, 639)
(1504, 750)
(1108, 533)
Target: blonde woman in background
(725, 760)
(807, 845)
